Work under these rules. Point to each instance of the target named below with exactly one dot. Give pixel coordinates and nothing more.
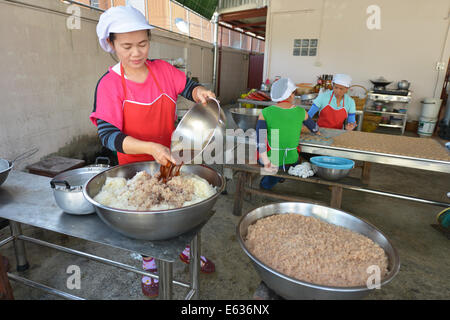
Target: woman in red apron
(335, 107)
(135, 103)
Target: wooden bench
(244, 174)
(6, 292)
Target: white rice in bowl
(145, 192)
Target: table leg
(360, 122)
(365, 175)
(19, 246)
(6, 292)
(194, 266)
(336, 197)
(239, 194)
(165, 280)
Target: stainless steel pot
(245, 118)
(403, 85)
(6, 165)
(153, 225)
(291, 288)
(68, 188)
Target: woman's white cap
(282, 89)
(342, 79)
(120, 19)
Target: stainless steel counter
(370, 156)
(28, 199)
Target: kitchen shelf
(390, 125)
(373, 97)
(387, 112)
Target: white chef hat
(282, 89)
(342, 79)
(120, 19)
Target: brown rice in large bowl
(287, 250)
(315, 251)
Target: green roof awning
(204, 8)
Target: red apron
(153, 122)
(332, 118)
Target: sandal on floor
(206, 266)
(150, 286)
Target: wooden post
(239, 193)
(6, 292)
(365, 175)
(336, 197)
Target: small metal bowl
(291, 288)
(331, 168)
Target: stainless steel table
(383, 158)
(324, 148)
(28, 199)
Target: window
(95, 3)
(305, 47)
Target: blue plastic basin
(332, 162)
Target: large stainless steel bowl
(153, 225)
(291, 288)
(245, 118)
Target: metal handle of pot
(53, 183)
(108, 162)
(26, 154)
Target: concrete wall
(48, 78)
(412, 39)
(49, 74)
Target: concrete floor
(425, 262)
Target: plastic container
(426, 126)
(430, 108)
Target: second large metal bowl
(291, 288)
(153, 225)
(245, 118)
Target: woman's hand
(350, 126)
(161, 154)
(201, 94)
(270, 167)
